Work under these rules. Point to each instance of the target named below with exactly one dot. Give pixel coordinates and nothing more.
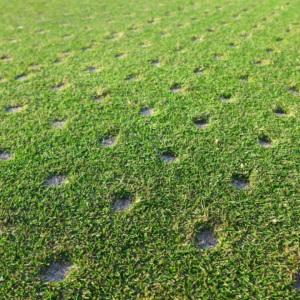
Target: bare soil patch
(93, 70)
(122, 205)
(130, 79)
(98, 99)
(14, 109)
(57, 272)
(58, 124)
(294, 91)
(169, 158)
(265, 143)
(297, 284)
(21, 78)
(147, 112)
(202, 123)
(58, 87)
(241, 184)
(225, 98)
(176, 89)
(5, 156)
(207, 240)
(199, 72)
(109, 141)
(280, 112)
(56, 181)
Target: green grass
(151, 251)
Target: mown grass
(220, 78)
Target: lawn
(149, 149)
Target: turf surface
(186, 113)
